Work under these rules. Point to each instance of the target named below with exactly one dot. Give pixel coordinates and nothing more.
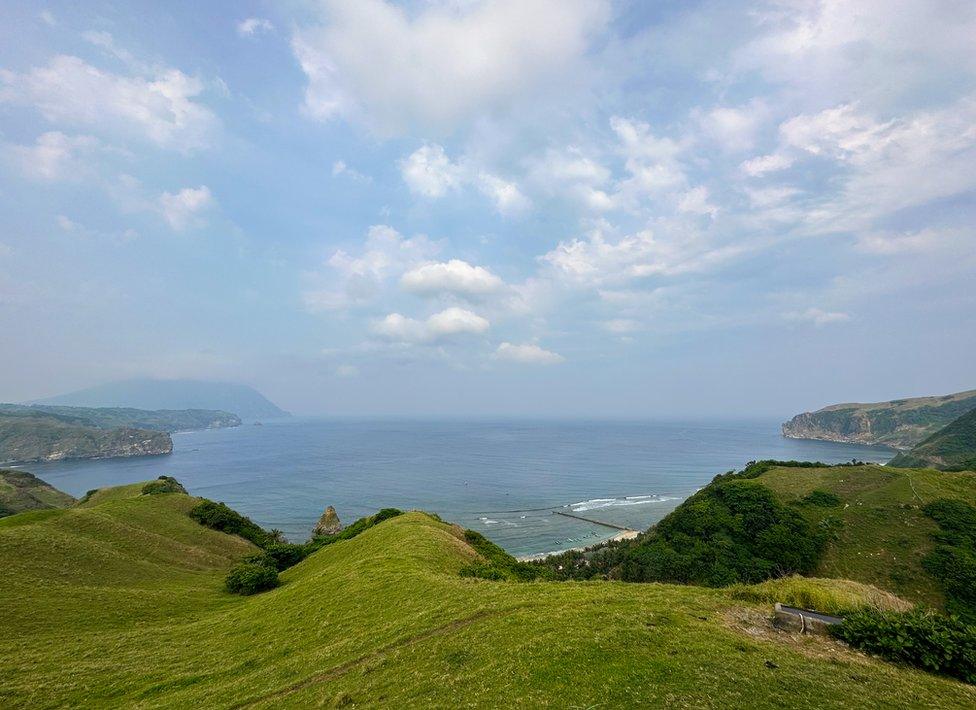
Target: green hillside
(951, 448)
(900, 423)
(122, 604)
(21, 491)
(168, 420)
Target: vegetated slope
(51, 437)
(168, 420)
(952, 448)
(879, 530)
(122, 604)
(900, 423)
(244, 401)
(20, 491)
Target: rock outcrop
(328, 524)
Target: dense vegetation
(953, 561)
(495, 563)
(937, 643)
(121, 604)
(20, 491)
(163, 484)
(901, 423)
(950, 449)
(733, 530)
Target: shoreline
(622, 535)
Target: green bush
(251, 577)
(940, 644)
(219, 516)
(163, 484)
(821, 499)
(953, 561)
(497, 564)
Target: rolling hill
(121, 603)
(21, 491)
(40, 436)
(951, 449)
(900, 423)
(246, 402)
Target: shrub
(821, 499)
(251, 577)
(497, 564)
(940, 644)
(227, 520)
(953, 561)
(163, 484)
(829, 596)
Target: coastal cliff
(44, 438)
(900, 423)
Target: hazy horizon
(450, 208)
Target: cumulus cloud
(185, 208)
(527, 353)
(163, 107)
(254, 26)
(455, 276)
(55, 156)
(762, 164)
(376, 60)
(429, 172)
(356, 278)
(449, 322)
(696, 201)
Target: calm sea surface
(504, 479)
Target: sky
(572, 208)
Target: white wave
(488, 521)
(598, 503)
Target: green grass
(121, 604)
(952, 448)
(21, 491)
(881, 534)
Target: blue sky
(546, 208)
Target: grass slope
(122, 604)
(884, 535)
(21, 491)
(953, 447)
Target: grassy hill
(951, 448)
(121, 603)
(900, 423)
(168, 420)
(20, 491)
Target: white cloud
(763, 164)
(185, 208)
(355, 279)
(921, 241)
(571, 173)
(55, 156)
(696, 201)
(47, 18)
(339, 167)
(253, 26)
(621, 326)
(439, 65)
(527, 353)
(819, 317)
(347, 371)
(454, 276)
(163, 107)
(734, 129)
(429, 172)
(447, 323)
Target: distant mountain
(244, 401)
(952, 448)
(900, 423)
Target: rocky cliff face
(328, 524)
(29, 439)
(900, 424)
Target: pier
(591, 520)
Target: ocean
(505, 479)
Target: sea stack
(328, 524)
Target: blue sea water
(503, 479)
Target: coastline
(622, 535)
